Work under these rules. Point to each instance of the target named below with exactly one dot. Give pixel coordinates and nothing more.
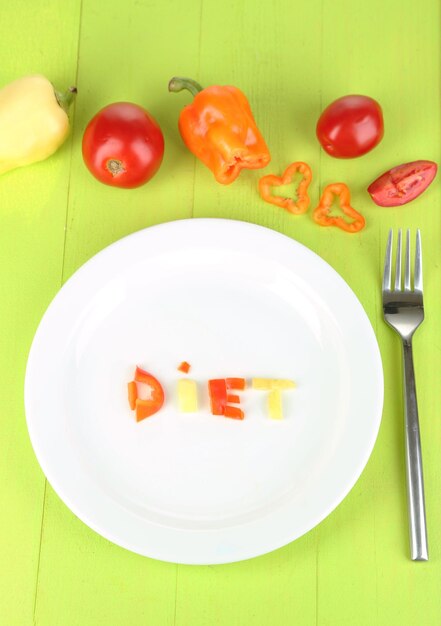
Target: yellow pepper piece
(275, 408)
(33, 121)
(275, 386)
(272, 383)
(187, 396)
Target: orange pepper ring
(321, 212)
(266, 183)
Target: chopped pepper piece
(152, 403)
(184, 367)
(272, 383)
(234, 412)
(321, 212)
(297, 207)
(144, 408)
(133, 394)
(275, 386)
(275, 409)
(218, 127)
(218, 396)
(231, 397)
(187, 396)
(236, 383)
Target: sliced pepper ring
(321, 212)
(297, 207)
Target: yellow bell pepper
(33, 121)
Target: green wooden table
(291, 59)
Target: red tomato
(403, 183)
(123, 145)
(350, 126)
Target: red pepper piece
(231, 397)
(321, 212)
(218, 395)
(234, 412)
(235, 383)
(133, 394)
(297, 207)
(184, 367)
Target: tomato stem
(178, 83)
(65, 98)
(115, 166)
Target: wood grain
(291, 59)
(33, 206)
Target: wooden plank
(127, 54)
(33, 208)
(365, 576)
(112, 69)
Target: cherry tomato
(350, 126)
(123, 145)
(403, 183)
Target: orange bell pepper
(297, 207)
(321, 212)
(218, 127)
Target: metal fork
(403, 311)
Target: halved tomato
(403, 183)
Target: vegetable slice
(275, 409)
(234, 412)
(275, 386)
(321, 212)
(297, 207)
(236, 383)
(133, 394)
(272, 383)
(187, 396)
(184, 367)
(219, 396)
(402, 183)
(217, 390)
(151, 388)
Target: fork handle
(414, 463)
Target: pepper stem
(178, 83)
(65, 98)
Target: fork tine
(388, 263)
(407, 263)
(398, 264)
(418, 280)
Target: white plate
(233, 299)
